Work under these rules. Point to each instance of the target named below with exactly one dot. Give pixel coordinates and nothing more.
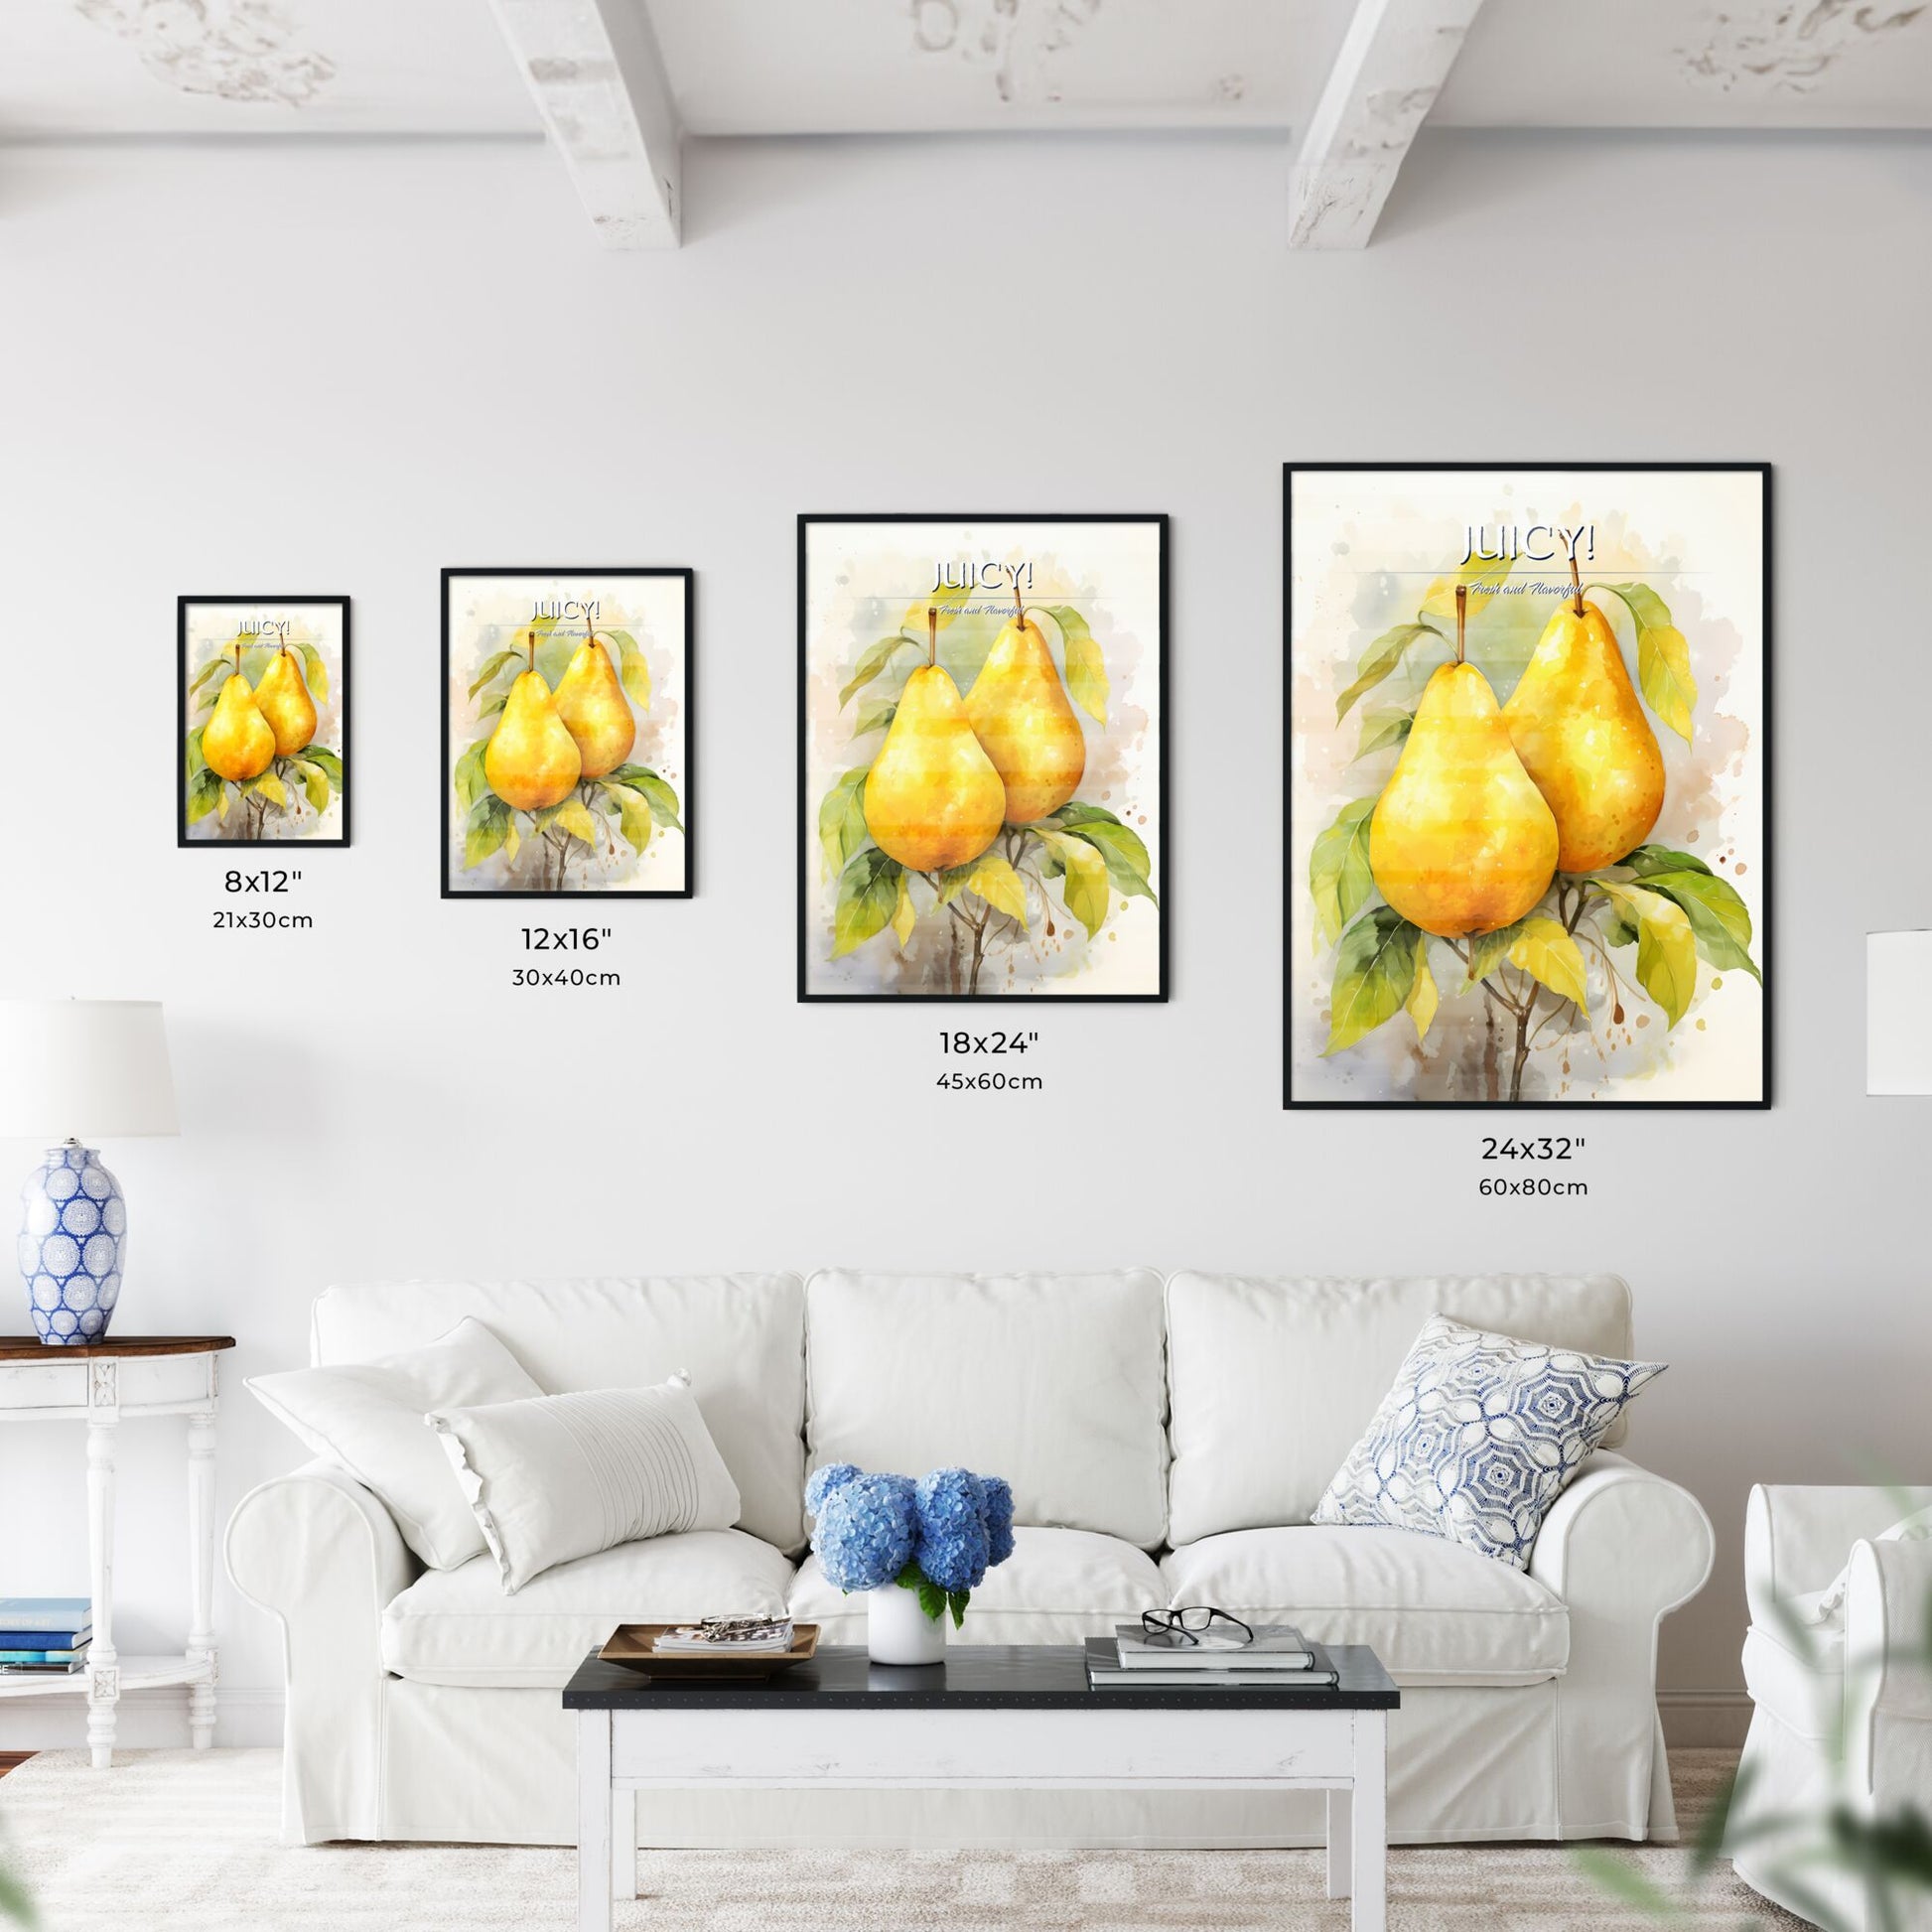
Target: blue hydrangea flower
(996, 1495)
(865, 1529)
(834, 1476)
(953, 1548)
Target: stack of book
(738, 1636)
(1277, 1657)
(44, 1633)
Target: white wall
(318, 370)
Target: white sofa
(1823, 1734)
(1166, 1443)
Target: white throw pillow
(1829, 1604)
(559, 1476)
(1478, 1435)
(367, 1418)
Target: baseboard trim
(1705, 1718)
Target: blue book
(62, 1613)
(46, 1639)
(44, 1656)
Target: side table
(99, 1384)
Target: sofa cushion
(456, 1626)
(1272, 1381)
(1800, 1679)
(1055, 1382)
(740, 1337)
(1434, 1612)
(1057, 1587)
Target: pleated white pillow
(559, 1476)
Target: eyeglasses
(1183, 1628)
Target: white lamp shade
(1898, 998)
(93, 1069)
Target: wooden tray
(630, 1646)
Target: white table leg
(104, 1671)
(623, 1845)
(1341, 1832)
(1370, 1910)
(200, 1550)
(594, 1820)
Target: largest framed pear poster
(1528, 785)
(983, 809)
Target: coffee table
(1014, 1716)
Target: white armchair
(1842, 1707)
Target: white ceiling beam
(1393, 61)
(599, 82)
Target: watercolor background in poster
(1072, 903)
(1369, 550)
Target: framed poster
(1527, 731)
(567, 733)
(262, 704)
(983, 801)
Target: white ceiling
(766, 66)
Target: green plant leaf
(1544, 951)
(1000, 885)
(269, 787)
(875, 716)
(1374, 972)
(954, 881)
(1381, 728)
(205, 792)
(316, 671)
(1086, 670)
(1339, 873)
(1084, 884)
(1666, 946)
(209, 669)
(1664, 672)
(315, 784)
(1128, 865)
(1422, 996)
(842, 832)
(633, 671)
(949, 603)
(932, 1601)
(1379, 659)
(1646, 607)
(17, 1903)
(635, 817)
(330, 766)
(575, 818)
(1482, 576)
(191, 750)
(470, 784)
(905, 916)
(1487, 951)
(495, 705)
(1619, 931)
(867, 899)
(1647, 859)
(491, 665)
(659, 795)
(1611, 1872)
(957, 1601)
(872, 662)
(1721, 921)
(489, 829)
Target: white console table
(101, 1384)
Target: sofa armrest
(1623, 1548)
(1797, 1538)
(322, 1556)
(1888, 1671)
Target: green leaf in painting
(488, 828)
(317, 672)
(842, 832)
(1664, 672)
(1381, 728)
(956, 879)
(867, 899)
(494, 706)
(634, 819)
(220, 662)
(269, 787)
(1375, 970)
(470, 784)
(1647, 859)
(315, 784)
(1487, 951)
(1666, 946)
(1084, 886)
(1128, 865)
(1379, 659)
(491, 665)
(1422, 996)
(905, 914)
(875, 717)
(949, 603)
(1086, 670)
(1721, 921)
(575, 818)
(1646, 607)
(193, 749)
(1339, 873)
(1544, 951)
(633, 671)
(871, 664)
(204, 790)
(1482, 576)
(332, 765)
(1000, 885)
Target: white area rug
(170, 1840)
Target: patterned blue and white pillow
(1479, 1434)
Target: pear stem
(1019, 608)
(237, 657)
(532, 634)
(1462, 620)
(1576, 582)
(932, 633)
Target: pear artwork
(1019, 712)
(1581, 734)
(531, 760)
(933, 798)
(1462, 841)
(595, 711)
(237, 742)
(282, 697)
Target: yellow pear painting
(1527, 825)
(982, 790)
(567, 733)
(264, 719)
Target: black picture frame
(183, 606)
(687, 697)
(1295, 892)
(1160, 522)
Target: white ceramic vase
(897, 1631)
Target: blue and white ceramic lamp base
(72, 1238)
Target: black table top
(996, 1677)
